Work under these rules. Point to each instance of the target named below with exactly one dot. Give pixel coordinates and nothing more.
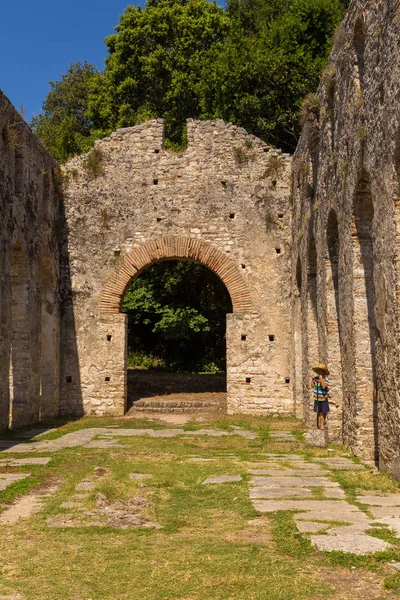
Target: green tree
(155, 63)
(64, 126)
(271, 59)
(251, 63)
(177, 312)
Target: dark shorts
(322, 407)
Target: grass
(207, 547)
(367, 480)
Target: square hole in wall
(271, 338)
(68, 379)
(117, 252)
(280, 215)
(278, 250)
(107, 378)
(232, 215)
(109, 338)
(287, 379)
(243, 266)
(155, 181)
(244, 337)
(224, 184)
(156, 151)
(159, 219)
(248, 379)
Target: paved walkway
(288, 482)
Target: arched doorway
(113, 326)
(176, 337)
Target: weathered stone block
(317, 438)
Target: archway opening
(359, 48)
(176, 337)
(49, 342)
(312, 325)
(333, 328)
(365, 408)
(298, 344)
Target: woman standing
(320, 383)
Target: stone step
(174, 403)
(169, 409)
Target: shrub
(12, 136)
(275, 166)
(240, 155)
(328, 80)
(309, 120)
(94, 163)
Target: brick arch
(175, 248)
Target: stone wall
(224, 202)
(346, 234)
(30, 233)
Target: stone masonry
(224, 203)
(346, 235)
(312, 271)
(30, 234)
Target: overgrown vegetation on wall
(250, 63)
(176, 315)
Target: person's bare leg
(323, 420)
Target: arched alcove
(365, 409)
(49, 341)
(298, 344)
(396, 215)
(359, 49)
(20, 350)
(312, 323)
(332, 332)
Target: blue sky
(40, 38)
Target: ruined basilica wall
(222, 202)
(346, 234)
(30, 228)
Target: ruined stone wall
(224, 203)
(30, 230)
(346, 233)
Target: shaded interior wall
(228, 191)
(354, 157)
(29, 274)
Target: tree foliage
(250, 63)
(177, 312)
(64, 126)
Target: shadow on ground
(185, 390)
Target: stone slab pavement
(344, 526)
(222, 479)
(85, 437)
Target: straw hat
(321, 367)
